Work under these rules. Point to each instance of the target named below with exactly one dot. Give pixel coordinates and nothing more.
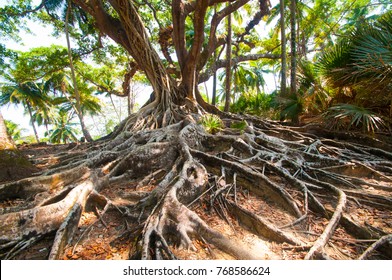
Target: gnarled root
(178, 187)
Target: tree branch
(216, 19)
(23, 13)
(178, 17)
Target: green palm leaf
(347, 116)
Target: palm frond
(348, 116)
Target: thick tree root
(371, 249)
(178, 188)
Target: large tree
(175, 179)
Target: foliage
(291, 106)
(211, 123)
(348, 116)
(25, 93)
(363, 62)
(14, 130)
(315, 97)
(246, 77)
(240, 125)
(30, 139)
(261, 104)
(63, 130)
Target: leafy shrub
(211, 123)
(260, 104)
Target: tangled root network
(264, 191)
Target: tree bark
(78, 107)
(293, 67)
(6, 141)
(32, 121)
(228, 66)
(283, 48)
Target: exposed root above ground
(267, 191)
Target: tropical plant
(348, 116)
(211, 123)
(59, 83)
(260, 104)
(64, 130)
(239, 125)
(246, 78)
(291, 106)
(30, 94)
(316, 97)
(14, 130)
(362, 64)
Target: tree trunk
(213, 101)
(293, 67)
(73, 76)
(294, 56)
(6, 141)
(228, 66)
(214, 77)
(114, 108)
(283, 49)
(32, 121)
(130, 103)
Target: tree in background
(63, 130)
(6, 141)
(283, 47)
(228, 66)
(30, 94)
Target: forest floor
(108, 236)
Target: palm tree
(63, 130)
(30, 94)
(348, 116)
(45, 115)
(246, 77)
(69, 15)
(311, 96)
(73, 75)
(361, 64)
(60, 84)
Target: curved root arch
(178, 188)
